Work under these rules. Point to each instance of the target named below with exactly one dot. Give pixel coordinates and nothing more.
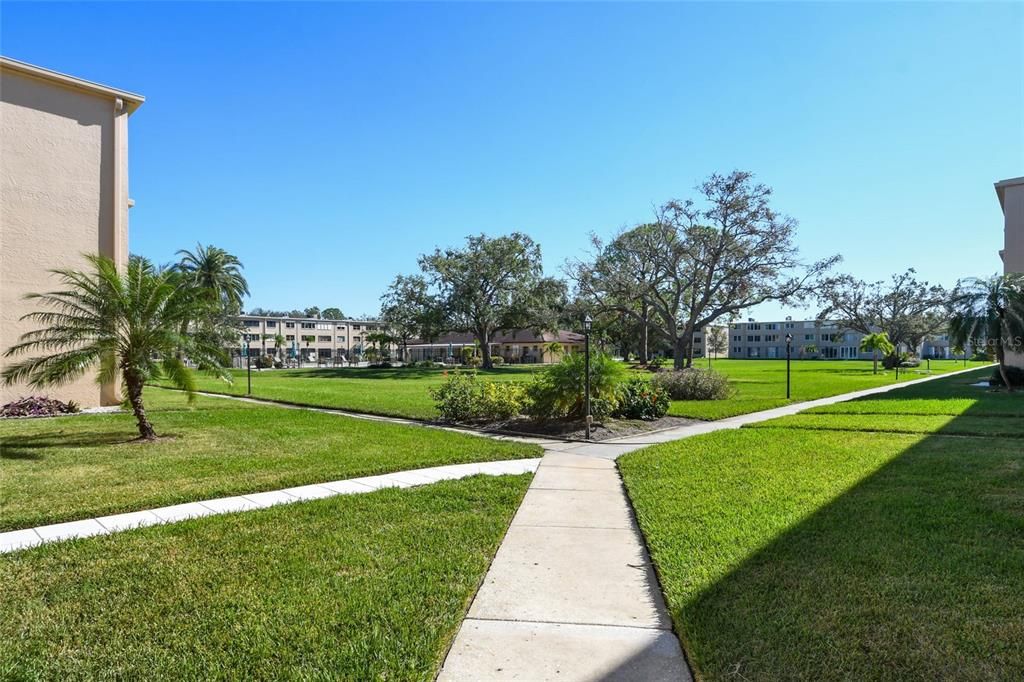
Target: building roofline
(1003, 184)
(289, 318)
(132, 100)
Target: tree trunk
(874, 360)
(134, 386)
(484, 338)
(644, 325)
(679, 353)
(1001, 359)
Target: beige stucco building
(1011, 199)
(63, 193)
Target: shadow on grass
(392, 373)
(28, 446)
(916, 572)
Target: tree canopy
(906, 308)
(491, 284)
(701, 260)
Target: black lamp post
(789, 356)
(587, 323)
(248, 369)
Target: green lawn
(356, 587)
(83, 466)
(761, 384)
(397, 392)
(837, 553)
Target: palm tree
(990, 311)
(876, 343)
(278, 345)
(217, 272)
(129, 324)
(554, 349)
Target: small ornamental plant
(639, 399)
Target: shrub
(37, 406)
(1014, 374)
(557, 391)
(500, 400)
(655, 364)
(693, 384)
(464, 397)
(265, 362)
(379, 365)
(422, 363)
(639, 399)
(497, 360)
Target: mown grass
(86, 465)
(399, 392)
(396, 392)
(761, 384)
(358, 587)
(791, 553)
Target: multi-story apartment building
(1011, 200)
(513, 346)
(306, 338)
(813, 339)
(64, 189)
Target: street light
(789, 356)
(587, 323)
(248, 368)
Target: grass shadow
(915, 572)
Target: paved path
(571, 594)
(103, 525)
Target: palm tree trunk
(874, 360)
(134, 385)
(1001, 359)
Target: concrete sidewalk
(104, 525)
(571, 594)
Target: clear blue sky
(327, 145)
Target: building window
(355, 339)
(321, 325)
(323, 339)
(355, 326)
(271, 324)
(289, 325)
(308, 325)
(808, 337)
(771, 325)
(252, 323)
(341, 339)
(289, 337)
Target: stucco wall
(57, 201)
(1013, 246)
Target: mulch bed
(576, 429)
